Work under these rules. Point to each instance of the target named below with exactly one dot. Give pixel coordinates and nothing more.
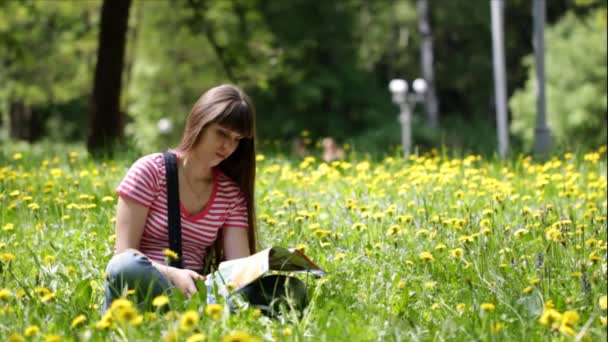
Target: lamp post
(165, 126)
(406, 102)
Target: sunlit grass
(426, 248)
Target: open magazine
(235, 274)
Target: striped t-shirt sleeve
(141, 182)
(237, 216)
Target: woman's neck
(196, 170)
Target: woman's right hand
(184, 280)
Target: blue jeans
(134, 271)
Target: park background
(450, 243)
(321, 68)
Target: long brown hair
(230, 107)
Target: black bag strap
(173, 212)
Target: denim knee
(135, 272)
(128, 266)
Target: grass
(429, 248)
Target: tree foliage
(47, 54)
(309, 65)
(576, 84)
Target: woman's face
(216, 144)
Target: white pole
(405, 118)
(500, 85)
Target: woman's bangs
(238, 118)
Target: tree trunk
(106, 120)
(25, 122)
(426, 56)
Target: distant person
(216, 171)
(331, 150)
(298, 147)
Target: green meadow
(427, 248)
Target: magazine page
(292, 260)
(238, 273)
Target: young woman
(216, 172)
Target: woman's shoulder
(225, 183)
(153, 162)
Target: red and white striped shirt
(145, 183)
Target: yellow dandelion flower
(457, 252)
(160, 301)
(170, 254)
(497, 327)
(189, 320)
(137, 320)
(594, 258)
(604, 320)
(239, 336)
(48, 297)
(78, 320)
(440, 246)
(8, 226)
(535, 281)
(426, 256)
(603, 302)
(340, 256)
(49, 260)
(570, 317)
(214, 311)
(120, 304)
(17, 156)
(196, 338)
(52, 338)
(7, 257)
(171, 335)
(126, 314)
(16, 338)
(567, 330)
(487, 307)
(107, 199)
(32, 330)
(393, 230)
(520, 232)
(401, 284)
(430, 284)
(104, 323)
(466, 238)
(528, 290)
(5, 294)
(549, 316)
(460, 307)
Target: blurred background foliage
(315, 66)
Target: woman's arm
(130, 222)
(236, 243)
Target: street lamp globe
(398, 88)
(419, 86)
(164, 126)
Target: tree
(107, 121)
(426, 57)
(58, 33)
